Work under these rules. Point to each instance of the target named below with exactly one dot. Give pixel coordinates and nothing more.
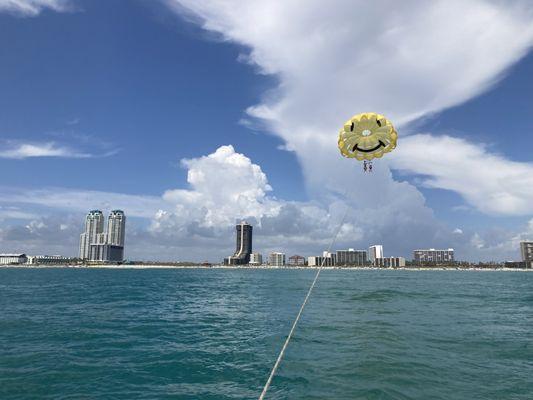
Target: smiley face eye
(378, 122)
(352, 126)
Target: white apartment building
(276, 259)
(116, 227)
(97, 245)
(94, 228)
(432, 255)
(256, 259)
(390, 262)
(9, 258)
(326, 260)
(375, 252)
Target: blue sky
(190, 116)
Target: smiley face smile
(357, 148)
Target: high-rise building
(434, 256)
(526, 249)
(256, 259)
(276, 259)
(374, 252)
(94, 228)
(116, 225)
(351, 257)
(244, 245)
(97, 245)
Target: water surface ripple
(214, 334)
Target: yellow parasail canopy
(367, 136)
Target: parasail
(367, 136)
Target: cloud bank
(198, 222)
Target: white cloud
(15, 213)
(72, 200)
(488, 182)
(227, 185)
(48, 149)
(199, 222)
(335, 59)
(31, 8)
(19, 151)
(405, 60)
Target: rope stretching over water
(289, 336)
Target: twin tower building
(97, 245)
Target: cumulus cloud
(488, 182)
(31, 8)
(226, 185)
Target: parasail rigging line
(300, 311)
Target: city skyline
(217, 120)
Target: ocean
(215, 334)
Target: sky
(191, 116)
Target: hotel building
(256, 259)
(97, 245)
(435, 256)
(243, 246)
(276, 259)
(526, 249)
(390, 262)
(375, 252)
(351, 257)
(7, 259)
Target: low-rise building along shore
(13, 258)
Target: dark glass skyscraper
(244, 245)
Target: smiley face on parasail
(367, 136)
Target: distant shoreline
(224, 267)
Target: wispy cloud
(49, 149)
(20, 150)
(31, 8)
(72, 200)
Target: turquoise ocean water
(214, 334)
